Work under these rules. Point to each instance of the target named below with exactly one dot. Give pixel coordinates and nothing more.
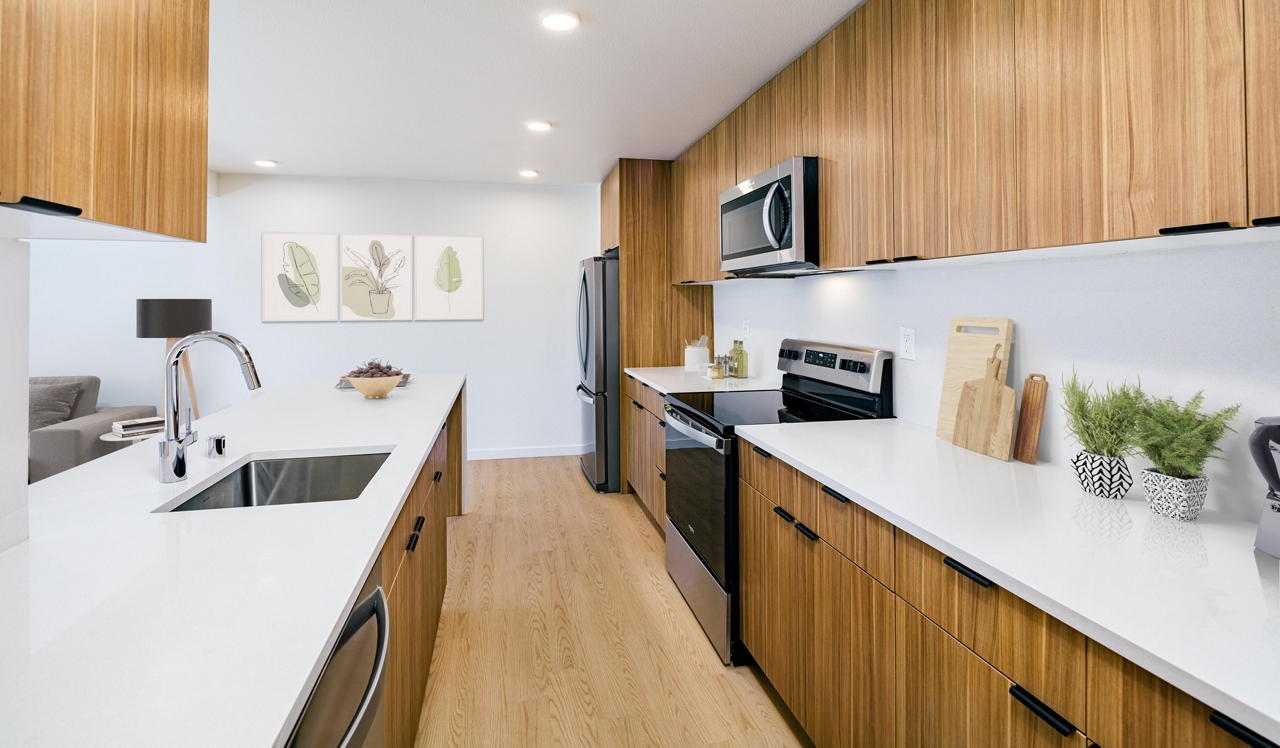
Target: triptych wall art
(371, 277)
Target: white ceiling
(440, 90)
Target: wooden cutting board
(1030, 418)
(986, 412)
(968, 348)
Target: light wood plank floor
(561, 626)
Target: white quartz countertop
(1191, 602)
(666, 379)
(120, 626)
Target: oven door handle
(677, 422)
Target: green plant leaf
(305, 273)
(378, 254)
(293, 292)
(1180, 439)
(1102, 422)
(448, 272)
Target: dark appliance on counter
(1264, 445)
(769, 223)
(820, 383)
(599, 384)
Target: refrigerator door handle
(585, 396)
(584, 335)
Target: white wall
(519, 359)
(1181, 320)
(14, 257)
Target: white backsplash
(1181, 320)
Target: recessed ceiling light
(265, 162)
(560, 20)
(538, 125)
(529, 173)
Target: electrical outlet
(907, 343)
(746, 329)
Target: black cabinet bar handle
(1268, 221)
(783, 513)
(413, 542)
(1240, 732)
(761, 452)
(417, 526)
(663, 424)
(663, 476)
(437, 477)
(1196, 228)
(1037, 707)
(878, 262)
(638, 405)
(810, 534)
(642, 384)
(906, 258)
(838, 497)
(973, 576)
(45, 207)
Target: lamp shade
(173, 318)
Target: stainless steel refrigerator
(599, 383)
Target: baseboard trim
(516, 452)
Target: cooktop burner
(750, 407)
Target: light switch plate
(907, 343)
(746, 329)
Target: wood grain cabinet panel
(835, 146)
(947, 696)
(777, 480)
(756, 131)
(1131, 708)
(1035, 650)
(862, 537)
(1061, 162)
(978, 43)
(920, 186)
(871, 135)
(1262, 102)
(107, 110)
(609, 210)
(796, 116)
(1174, 96)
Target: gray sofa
(75, 441)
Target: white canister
(696, 358)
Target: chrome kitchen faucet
(173, 449)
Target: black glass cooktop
(724, 410)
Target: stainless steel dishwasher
(345, 708)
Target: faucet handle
(216, 446)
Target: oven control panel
(859, 368)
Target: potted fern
(1103, 423)
(1179, 439)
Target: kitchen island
(122, 625)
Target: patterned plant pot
(1175, 498)
(1107, 477)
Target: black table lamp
(174, 319)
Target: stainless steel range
(820, 383)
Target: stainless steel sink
(292, 481)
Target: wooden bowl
(374, 388)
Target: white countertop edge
(1191, 684)
(668, 379)
(323, 659)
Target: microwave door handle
(768, 225)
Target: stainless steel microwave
(769, 223)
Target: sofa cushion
(87, 403)
(51, 403)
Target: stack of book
(138, 427)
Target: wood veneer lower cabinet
(415, 587)
(819, 627)
(948, 696)
(646, 446)
(1131, 708)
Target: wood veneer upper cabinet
(919, 130)
(796, 115)
(1262, 101)
(1131, 708)
(946, 695)
(855, 139)
(609, 208)
(107, 110)
(46, 84)
(978, 56)
(756, 125)
(1174, 89)
(1061, 162)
